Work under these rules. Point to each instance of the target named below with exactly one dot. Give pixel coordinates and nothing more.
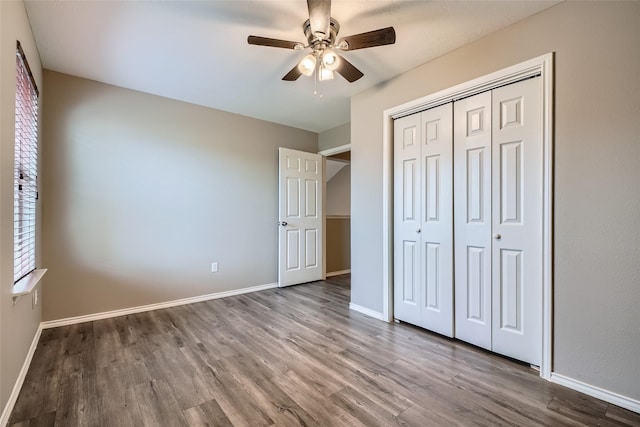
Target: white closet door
(517, 221)
(406, 222)
(437, 219)
(472, 209)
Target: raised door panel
(433, 279)
(407, 206)
(311, 248)
(510, 183)
(409, 190)
(433, 189)
(472, 219)
(476, 286)
(311, 198)
(510, 291)
(437, 219)
(292, 250)
(292, 198)
(475, 186)
(517, 221)
(410, 269)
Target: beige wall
(19, 322)
(338, 244)
(339, 193)
(142, 193)
(335, 137)
(597, 176)
(338, 223)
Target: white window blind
(25, 175)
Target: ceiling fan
(321, 31)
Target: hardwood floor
(292, 356)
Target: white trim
(324, 221)
(387, 217)
(521, 71)
(543, 66)
(338, 273)
(335, 150)
(13, 397)
(150, 307)
(337, 160)
(366, 311)
(325, 153)
(27, 284)
(546, 364)
(597, 392)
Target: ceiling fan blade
(266, 41)
(347, 70)
(374, 38)
(319, 14)
(293, 74)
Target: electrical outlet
(35, 298)
(214, 267)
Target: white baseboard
(338, 273)
(150, 307)
(597, 392)
(366, 311)
(13, 397)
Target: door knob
(283, 223)
(497, 236)
(418, 230)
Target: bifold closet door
(472, 206)
(498, 220)
(407, 291)
(423, 219)
(517, 221)
(437, 219)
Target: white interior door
(437, 219)
(517, 221)
(407, 224)
(300, 212)
(472, 207)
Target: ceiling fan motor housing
(327, 40)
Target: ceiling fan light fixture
(330, 60)
(325, 74)
(307, 65)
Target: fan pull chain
(315, 81)
(316, 77)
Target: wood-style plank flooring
(293, 356)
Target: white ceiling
(197, 51)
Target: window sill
(28, 283)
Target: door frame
(540, 66)
(326, 153)
(335, 150)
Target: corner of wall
(336, 137)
